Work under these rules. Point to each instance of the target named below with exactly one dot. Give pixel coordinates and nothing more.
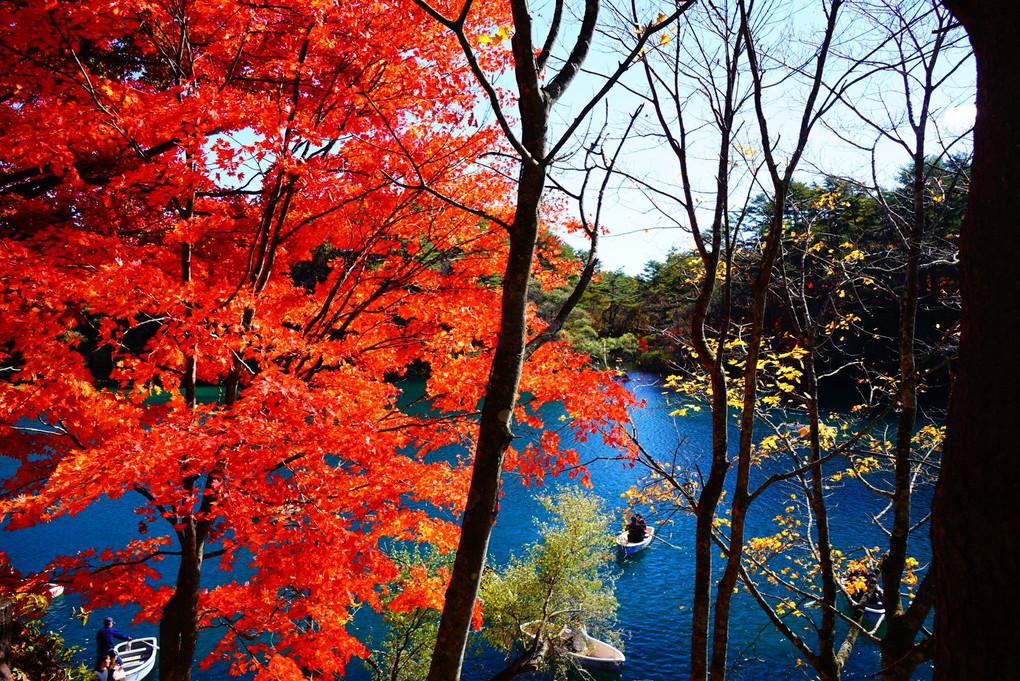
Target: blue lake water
(653, 588)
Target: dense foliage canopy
(225, 231)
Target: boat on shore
(576, 645)
(137, 656)
(628, 548)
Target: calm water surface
(653, 589)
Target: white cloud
(959, 118)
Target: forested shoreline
(839, 242)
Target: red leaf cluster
(261, 205)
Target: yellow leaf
(665, 38)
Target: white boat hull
(138, 657)
(629, 548)
(604, 657)
(874, 611)
(595, 655)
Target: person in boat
(104, 639)
(102, 670)
(857, 578)
(115, 670)
(636, 529)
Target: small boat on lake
(53, 590)
(138, 657)
(628, 548)
(874, 610)
(581, 649)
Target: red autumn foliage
(246, 198)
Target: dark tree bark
(178, 627)
(537, 153)
(714, 249)
(495, 434)
(6, 624)
(976, 512)
(781, 179)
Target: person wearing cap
(104, 639)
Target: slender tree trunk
(712, 361)
(830, 664)
(705, 510)
(899, 639)
(741, 496)
(494, 435)
(976, 511)
(178, 627)
(536, 96)
(712, 489)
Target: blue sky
(640, 232)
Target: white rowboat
(629, 548)
(138, 657)
(582, 649)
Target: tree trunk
(178, 627)
(898, 642)
(536, 96)
(830, 663)
(741, 495)
(708, 502)
(6, 626)
(712, 489)
(494, 434)
(527, 663)
(976, 512)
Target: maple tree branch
(138, 561)
(422, 184)
(32, 183)
(485, 215)
(457, 28)
(323, 213)
(163, 510)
